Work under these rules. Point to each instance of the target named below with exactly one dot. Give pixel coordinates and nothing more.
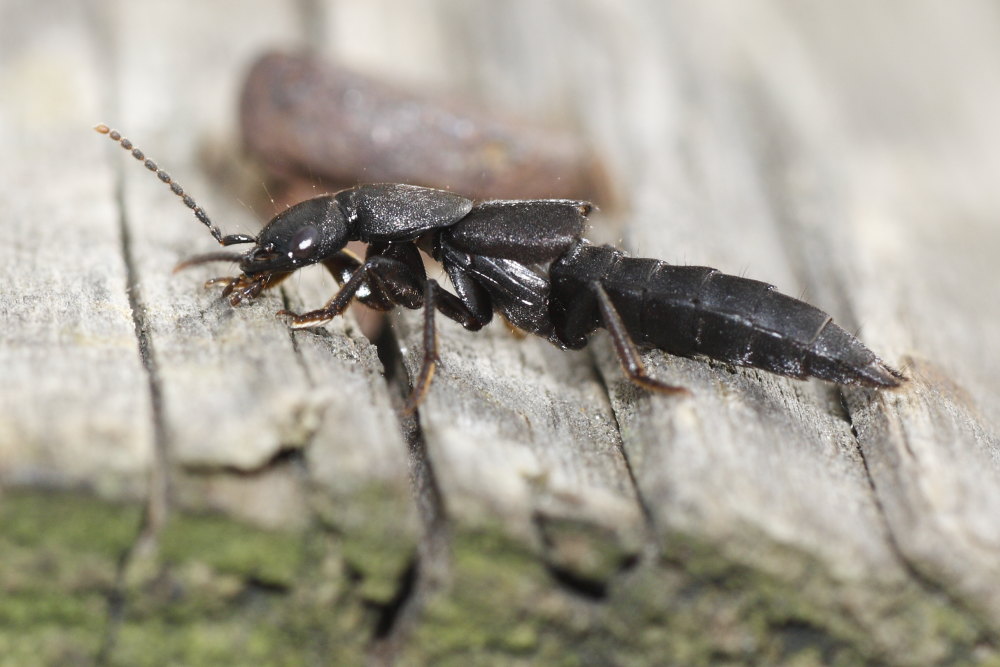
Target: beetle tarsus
(310, 320)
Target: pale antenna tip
(102, 128)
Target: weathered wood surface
(539, 509)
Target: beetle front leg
(390, 280)
(337, 305)
(240, 290)
(342, 266)
(243, 288)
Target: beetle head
(304, 234)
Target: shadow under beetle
(527, 260)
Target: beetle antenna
(175, 187)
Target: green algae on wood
(692, 605)
(377, 529)
(223, 591)
(59, 555)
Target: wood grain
(75, 400)
(539, 506)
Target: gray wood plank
(764, 470)
(778, 186)
(75, 406)
(913, 167)
(516, 428)
(237, 388)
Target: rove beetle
(528, 261)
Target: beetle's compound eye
(304, 243)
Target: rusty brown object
(309, 120)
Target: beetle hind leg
(628, 354)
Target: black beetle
(528, 261)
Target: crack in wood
(926, 582)
(647, 514)
(158, 498)
(776, 159)
(429, 569)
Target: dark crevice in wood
(776, 146)
(98, 24)
(254, 587)
(389, 613)
(291, 456)
(647, 513)
(159, 496)
(774, 157)
(591, 589)
(287, 305)
(926, 582)
(294, 453)
(158, 500)
(594, 590)
(255, 595)
(592, 586)
(387, 350)
(116, 610)
(396, 617)
(834, 399)
(422, 479)
(799, 637)
(432, 564)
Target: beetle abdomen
(697, 310)
(689, 310)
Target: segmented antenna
(175, 187)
